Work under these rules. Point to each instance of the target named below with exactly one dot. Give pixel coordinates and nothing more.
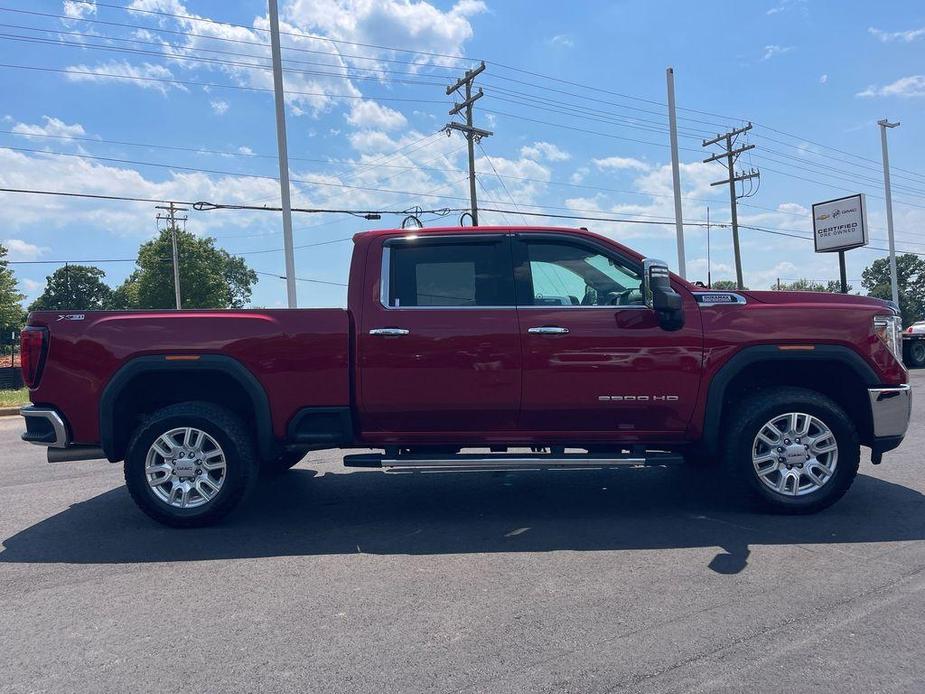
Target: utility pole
(709, 265)
(472, 133)
(731, 154)
(676, 173)
(171, 218)
(283, 154)
(894, 277)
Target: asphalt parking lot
(362, 581)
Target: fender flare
(158, 363)
(716, 392)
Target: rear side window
(449, 273)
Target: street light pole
(675, 173)
(283, 154)
(894, 278)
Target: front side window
(450, 273)
(563, 273)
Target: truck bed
(300, 357)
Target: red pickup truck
(559, 342)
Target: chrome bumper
(890, 408)
(46, 428)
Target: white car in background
(914, 345)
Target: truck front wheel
(791, 449)
(190, 464)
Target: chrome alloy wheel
(185, 467)
(795, 454)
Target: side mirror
(656, 288)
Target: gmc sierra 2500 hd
(558, 341)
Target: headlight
(889, 330)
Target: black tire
(282, 462)
(232, 435)
(915, 354)
(750, 416)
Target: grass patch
(11, 398)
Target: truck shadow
(307, 513)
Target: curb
(10, 411)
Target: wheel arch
(232, 385)
(833, 370)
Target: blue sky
(363, 123)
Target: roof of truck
(479, 229)
(367, 236)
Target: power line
(380, 162)
(216, 85)
(225, 39)
(207, 61)
(435, 54)
(299, 35)
(201, 49)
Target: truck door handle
(548, 330)
(389, 332)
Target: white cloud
(219, 106)
(561, 41)
(243, 149)
(620, 163)
(544, 150)
(145, 75)
(22, 250)
(823, 79)
(787, 5)
(773, 50)
(793, 208)
(579, 174)
(390, 22)
(78, 10)
(309, 24)
(46, 172)
(907, 36)
(369, 114)
(913, 85)
(51, 126)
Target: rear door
(438, 348)
(595, 357)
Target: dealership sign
(840, 224)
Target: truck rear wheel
(190, 464)
(792, 450)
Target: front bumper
(890, 408)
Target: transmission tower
(472, 133)
(731, 155)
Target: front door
(439, 349)
(595, 357)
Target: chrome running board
(506, 462)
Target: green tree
(209, 277)
(125, 296)
(74, 287)
(725, 285)
(910, 275)
(831, 286)
(11, 314)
